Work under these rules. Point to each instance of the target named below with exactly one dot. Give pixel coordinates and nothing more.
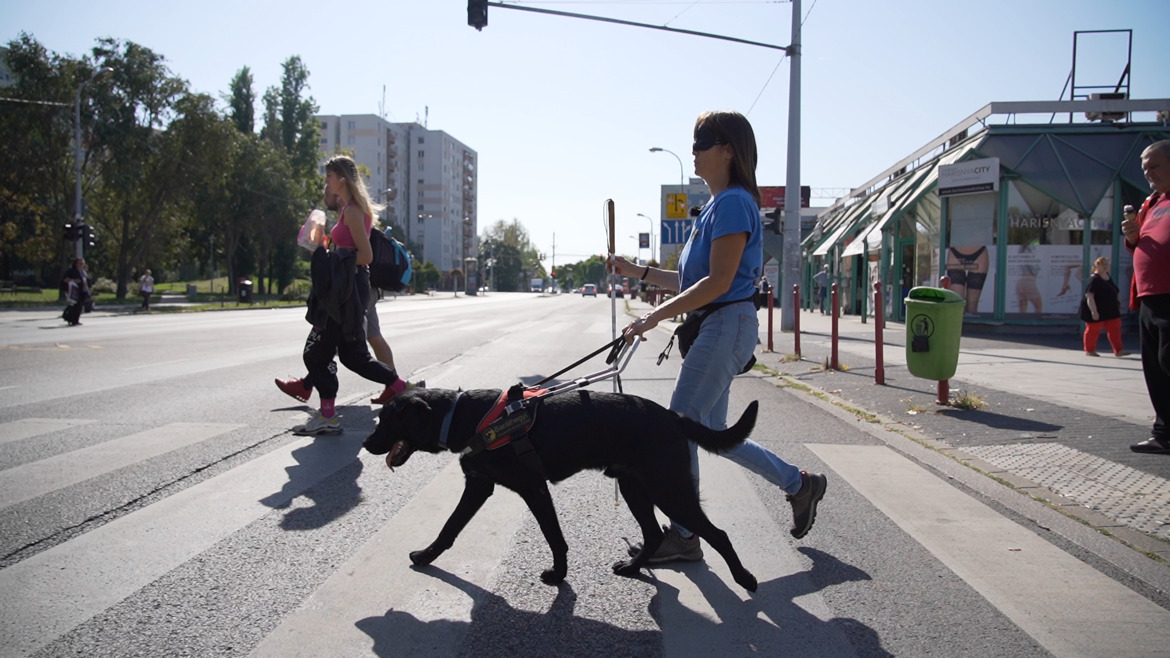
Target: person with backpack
(339, 299)
(301, 389)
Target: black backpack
(390, 269)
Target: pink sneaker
(295, 388)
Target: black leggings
(328, 341)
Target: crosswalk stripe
(1065, 605)
(52, 592)
(377, 583)
(28, 481)
(30, 427)
(703, 612)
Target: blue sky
(563, 112)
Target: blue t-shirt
(732, 211)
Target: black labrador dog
(641, 443)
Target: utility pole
(792, 261)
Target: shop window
(971, 228)
(1045, 258)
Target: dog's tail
(724, 440)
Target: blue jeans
(725, 342)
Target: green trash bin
(934, 324)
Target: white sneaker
(319, 424)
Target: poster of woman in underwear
(969, 258)
(967, 269)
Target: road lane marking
(28, 481)
(359, 607)
(1065, 605)
(54, 591)
(29, 427)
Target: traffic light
(774, 222)
(71, 233)
(88, 234)
(554, 273)
(477, 13)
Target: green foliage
(170, 182)
(425, 276)
(506, 270)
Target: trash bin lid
(936, 295)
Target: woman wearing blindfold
(718, 269)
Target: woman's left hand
(639, 327)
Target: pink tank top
(340, 234)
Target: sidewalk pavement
(1055, 424)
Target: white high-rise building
(427, 179)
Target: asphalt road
(153, 502)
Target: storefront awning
(905, 196)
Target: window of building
(349, 140)
(351, 125)
(324, 125)
(420, 140)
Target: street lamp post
(653, 255)
(77, 153)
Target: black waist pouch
(688, 331)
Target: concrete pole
(791, 225)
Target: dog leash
(614, 348)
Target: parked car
(616, 292)
(589, 290)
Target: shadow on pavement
(498, 629)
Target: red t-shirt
(1151, 255)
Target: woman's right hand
(621, 265)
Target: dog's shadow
(771, 616)
(772, 613)
(500, 629)
(337, 493)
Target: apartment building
(427, 179)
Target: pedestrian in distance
(716, 279)
(301, 389)
(146, 289)
(1147, 236)
(75, 283)
(1101, 310)
(337, 304)
(821, 281)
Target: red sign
(773, 197)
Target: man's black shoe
(1152, 446)
(804, 502)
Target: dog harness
(507, 422)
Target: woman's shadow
(326, 472)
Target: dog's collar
(447, 421)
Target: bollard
(770, 307)
(796, 320)
(879, 373)
(944, 386)
(833, 340)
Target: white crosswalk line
(52, 592)
(703, 612)
(30, 427)
(1067, 606)
(28, 481)
(378, 580)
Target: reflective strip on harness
(498, 429)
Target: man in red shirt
(1148, 236)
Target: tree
(507, 267)
(36, 163)
(242, 102)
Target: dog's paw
(553, 576)
(423, 557)
(746, 580)
(626, 568)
